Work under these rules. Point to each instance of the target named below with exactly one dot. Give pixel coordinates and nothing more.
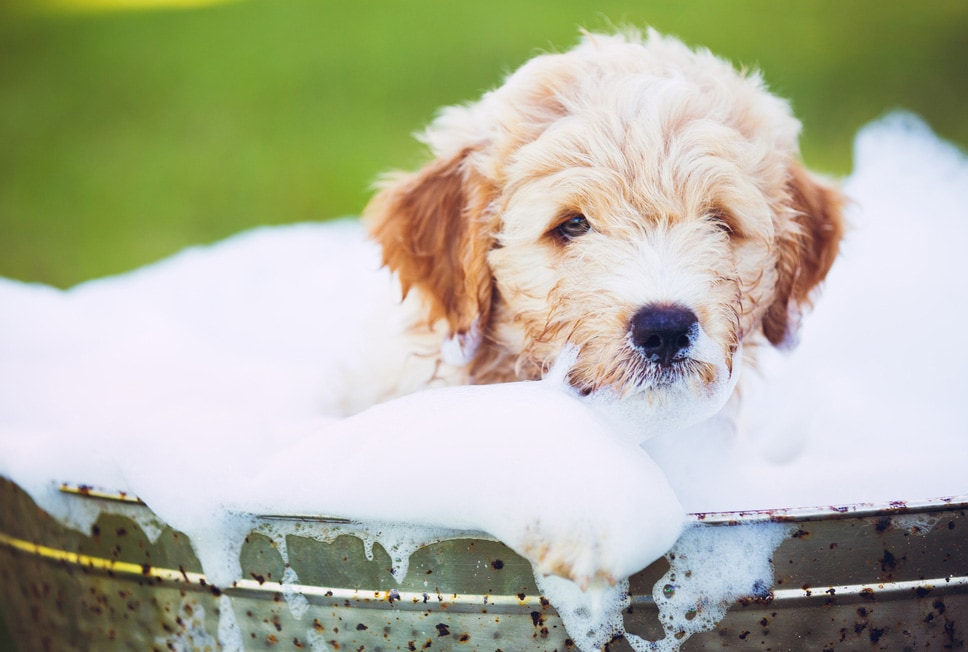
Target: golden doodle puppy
(632, 201)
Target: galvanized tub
(888, 577)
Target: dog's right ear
(435, 230)
(806, 252)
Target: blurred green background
(126, 135)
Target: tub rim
(835, 511)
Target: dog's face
(638, 203)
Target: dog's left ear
(807, 251)
(435, 232)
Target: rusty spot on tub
(867, 594)
(951, 639)
(497, 564)
(801, 534)
(883, 523)
(361, 627)
(258, 578)
(442, 629)
(889, 563)
(537, 618)
(464, 638)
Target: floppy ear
(806, 251)
(435, 232)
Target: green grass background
(125, 136)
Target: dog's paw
(575, 551)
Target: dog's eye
(722, 221)
(574, 227)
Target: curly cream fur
(688, 174)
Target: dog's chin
(654, 378)
(667, 398)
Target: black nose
(663, 332)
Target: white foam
(296, 601)
(516, 441)
(709, 568)
(592, 617)
(399, 540)
(229, 632)
(316, 640)
(191, 634)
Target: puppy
(634, 202)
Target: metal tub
(889, 577)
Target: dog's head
(633, 200)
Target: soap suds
(593, 616)
(191, 634)
(297, 602)
(709, 568)
(229, 632)
(483, 480)
(400, 541)
(195, 384)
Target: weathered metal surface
(889, 577)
